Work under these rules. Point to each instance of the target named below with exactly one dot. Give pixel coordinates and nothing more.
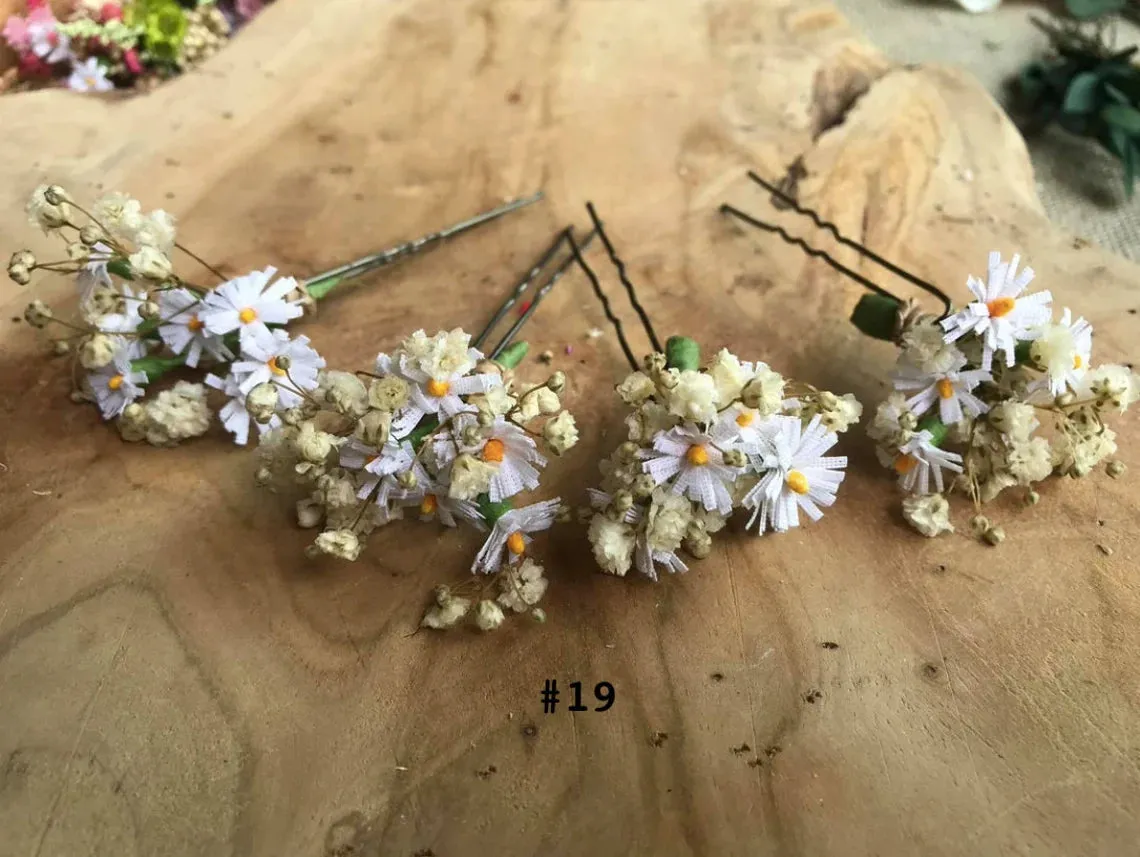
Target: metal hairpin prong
(605, 302)
(827, 225)
(567, 236)
(616, 261)
(520, 289)
(326, 280)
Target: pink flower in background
(15, 33)
(110, 12)
(131, 59)
(248, 8)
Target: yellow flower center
(945, 388)
(1000, 307)
(428, 504)
(195, 324)
(273, 367)
(516, 544)
(744, 418)
(905, 464)
(438, 389)
(697, 455)
(247, 315)
(115, 382)
(797, 482)
(1077, 361)
(493, 450)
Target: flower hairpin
(138, 320)
(438, 430)
(704, 442)
(999, 394)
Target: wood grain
(175, 677)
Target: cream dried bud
(19, 274)
(149, 309)
(23, 257)
(643, 486)
(90, 234)
(38, 314)
(283, 362)
(56, 195)
(1115, 469)
(485, 418)
(152, 264)
(1032, 498)
(734, 458)
(293, 416)
(622, 501)
(556, 382)
(60, 347)
(373, 428)
(628, 449)
(388, 394)
(488, 615)
(565, 514)
(262, 402)
(314, 445)
(309, 513)
(699, 544)
(407, 479)
(655, 363)
(994, 535)
(908, 421)
(78, 251)
(471, 436)
(538, 615)
(97, 351)
(979, 523)
(339, 543)
(263, 476)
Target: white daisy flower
(182, 329)
(690, 459)
(796, 474)
(249, 304)
(511, 534)
(502, 444)
(94, 273)
(440, 396)
(434, 504)
(999, 316)
(89, 76)
(1064, 350)
(919, 460)
(261, 352)
(116, 385)
(951, 390)
(645, 558)
(234, 416)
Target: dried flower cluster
(973, 390)
(438, 432)
(102, 46)
(704, 442)
(138, 320)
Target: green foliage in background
(1086, 86)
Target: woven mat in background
(1079, 183)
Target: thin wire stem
(519, 289)
(601, 296)
(827, 225)
(568, 235)
(620, 265)
(201, 262)
(394, 254)
(807, 248)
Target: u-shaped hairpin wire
(828, 226)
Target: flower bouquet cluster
(139, 320)
(437, 432)
(705, 442)
(101, 46)
(972, 391)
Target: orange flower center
(195, 323)
(428, 504)
(697, 455)
(273, 367)
(438, 389)
(493, 450)
(905, 464)
(797, 482)
(1000, 307)
(744, 418)
(1077, 361)
(945, 388)
(247, 315)
(115, 382)
(516, 544)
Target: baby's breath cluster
(1039, 409)
(703, 442)
(437, 432)
(138, 320)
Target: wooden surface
(175, 677)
